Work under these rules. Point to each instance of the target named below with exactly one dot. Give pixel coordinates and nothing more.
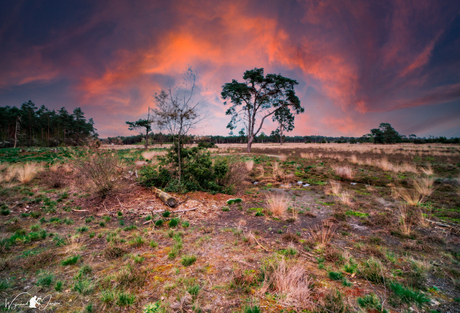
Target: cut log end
(166, 198)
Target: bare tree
(177, 111)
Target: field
(312, 228)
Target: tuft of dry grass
(334, 188)
(278, 173)
(323, 234)
(292, 282)
(353, 159)
(345, 197)
(427, 170)
(405, 223)
(385, 165)
(345, 172)
(277, 203)
(406, 167)
(424, 186)
(27, 172)
(249, 165)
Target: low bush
(198, 171)
(99, 172)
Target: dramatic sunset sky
(358, 62)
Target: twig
(79, 210)
(261, 245)
(120, 204)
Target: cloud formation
(356, 61)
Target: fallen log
(165, 197)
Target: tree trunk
(178, 158)
(250, 140)
(16, 132)
(281, 135)
(146, 139)
(165, 197)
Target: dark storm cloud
(355, 60)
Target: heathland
(301, 228)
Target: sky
(358, 62)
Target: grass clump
(409, 295)
(71, 260)
(277, 203)
(84, 287)
(188, 260)
(107, 297)
(371, 302)
(82, 229)
(59, 286)
(335, 275)
(372, 270)
(44, 279)
(125, 299)
(174, 222)
(136, 242)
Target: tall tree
(385, 134)
(28, 117)
(258, 97)
(285, 120)
(142, 123)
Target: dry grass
(334, 188)
(427, 170)
(410, 196)
(405, 224)
(278, 173)
(291, 282)
(277, 203)
(424, 186)
(249, 165)
(323, 234)
(406, 167)
(345, 197)
(353, 159)
(27, 172)
(345, 172)
(385, 165)
(100, 173)
(149, 155)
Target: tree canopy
(385, 134)
(34, 126)
(257, 98)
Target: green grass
(82, 229)
(355, 213)
(136, 242)
(59, 286)
(107, 296)
(125, 299)
(71, 260)
(4, 284)
(45, 279)
(188, 260)
(84, 287)
(174, 222)
(335, 275)
(409, 295)
(371, 302)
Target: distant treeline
(159, 138)
(32, 126)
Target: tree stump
(165, 197)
